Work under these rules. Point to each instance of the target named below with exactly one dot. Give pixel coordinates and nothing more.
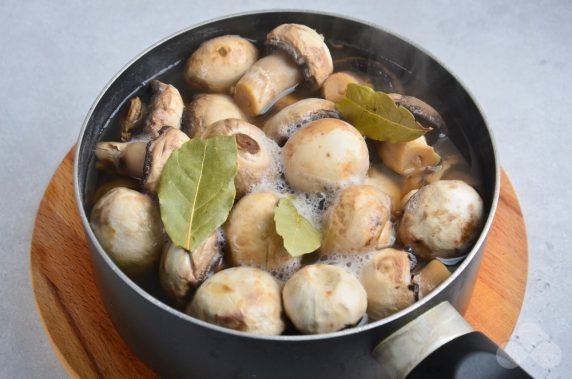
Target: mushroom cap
(206, 109)
(219, 63)
(334, 88)
(442, 219)
(158, 152)
(308, 49)
(256, 152)
(240, 298)
(125, 158)
(326, 154)
(355, 221)
(181, 270)
(423, 112)
(251, 235)
(284, 123)
(128, 226)
(323, 298)
(165, 108)
(386, 181)
(386, 279)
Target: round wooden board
(89, 346)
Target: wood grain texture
(89, 346)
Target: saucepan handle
(441, 344)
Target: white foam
(352, 263)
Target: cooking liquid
(386, 76)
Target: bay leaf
(196, 191)
(299, 235)
(377, 116)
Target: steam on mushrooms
(158, 151)
(125, 158)
(240, 298)
(284, 123)
(323, 298)
(326, 154)
(355, 221)
(256, 152)
(273, 76)
(165, 108)
(128, 226)
(387, 278)
(219, 62)
(251, 235)
(181, 270)
(442, 219)
(407, 158)
(206, 109)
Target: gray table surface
(515, 57)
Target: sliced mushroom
(256, 152)
(308, 49)
(386, 279)
(334, 88)
(325, 155)
(430, 276)
(219, 63)
(181, 270)
(290, 119)
(240, 298)
(386, 181)
(125, 158)
(158, 151)
(274, 76)
(165, 108)
(423, 112)
(407, 158)
(251, 235)
(132, 119)
(265, 82)
(442, 219)
(355, 221)
(128, 226)
(206, 109)
(323, 298)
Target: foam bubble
(352, 263)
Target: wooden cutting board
(89, 346)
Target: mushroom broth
(383, 75)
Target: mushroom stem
(406, 158)
(125, 158)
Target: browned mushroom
(165, 108)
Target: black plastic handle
(470, 356)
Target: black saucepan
(177, 345)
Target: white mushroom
(323, 298)
(274, 76)
(430, 276)
(219, 63)
(388, 182)
(265, 82)
(442, 219)
(284, 123)
(125, 158)
(251, 235)
(355, 221)
(334, 88)
(206, 109)
(407, 158)
(181, 270)
(128, 226)
(387, 278)
(326, 154)
(165, 108)
(240, 298)
(256, 153)
(158, 151)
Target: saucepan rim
(179, 314)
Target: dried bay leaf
(196, 191)
(299, 235)
(377, 116)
